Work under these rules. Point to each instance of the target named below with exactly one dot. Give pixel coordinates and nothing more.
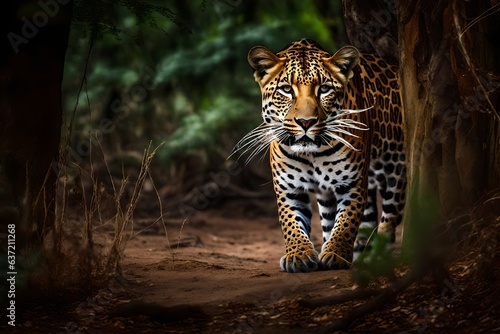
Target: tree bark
(34, 42)
(449, 59)
(372, 27)
(449, 83)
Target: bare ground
(228, 266)
(218, 272)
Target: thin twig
(483, 15)
(69, 129)
(160, 204)
(470, 64)
(179, 239)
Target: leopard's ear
(262, 61)
(343, 61)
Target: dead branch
(385, 296)
(339, 299)
(432, 263)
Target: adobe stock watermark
(121, 107)
(31, 27)
(11, 274)
(203, 195)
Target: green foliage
(101, 18)
(201, 97)
(419, 242)
(205, 131)
(421, 221)
(376, 262)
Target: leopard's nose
(305, 123)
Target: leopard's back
(375, 83)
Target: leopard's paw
(304, 260)
(336, 258)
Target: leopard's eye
(325, 89)
(286, 89)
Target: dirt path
(224, 265)
(222, 276)
(216, 273)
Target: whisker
(343, 141)
(257, 140)
(349, 123)
(256, 153)
(251, 137)
(260, 148)
(335, 126)
(343, 131)
(261, 159)
(279, 134)
(344, 112)
(326, 139)
(346, 126)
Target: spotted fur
(333, 129)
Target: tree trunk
(449, 80)
(372, 27)
(449, 59)
(34, 42)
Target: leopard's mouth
(304, 144)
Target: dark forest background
(178, 75)
(119, 113)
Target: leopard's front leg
(295, 218)
(337, 251)
(295, 213)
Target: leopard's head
(303, 88)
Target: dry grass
(123, 218)
(76, 257)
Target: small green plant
(376, 262)
(421, 222)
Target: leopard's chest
(317, 174)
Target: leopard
(333, 126)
